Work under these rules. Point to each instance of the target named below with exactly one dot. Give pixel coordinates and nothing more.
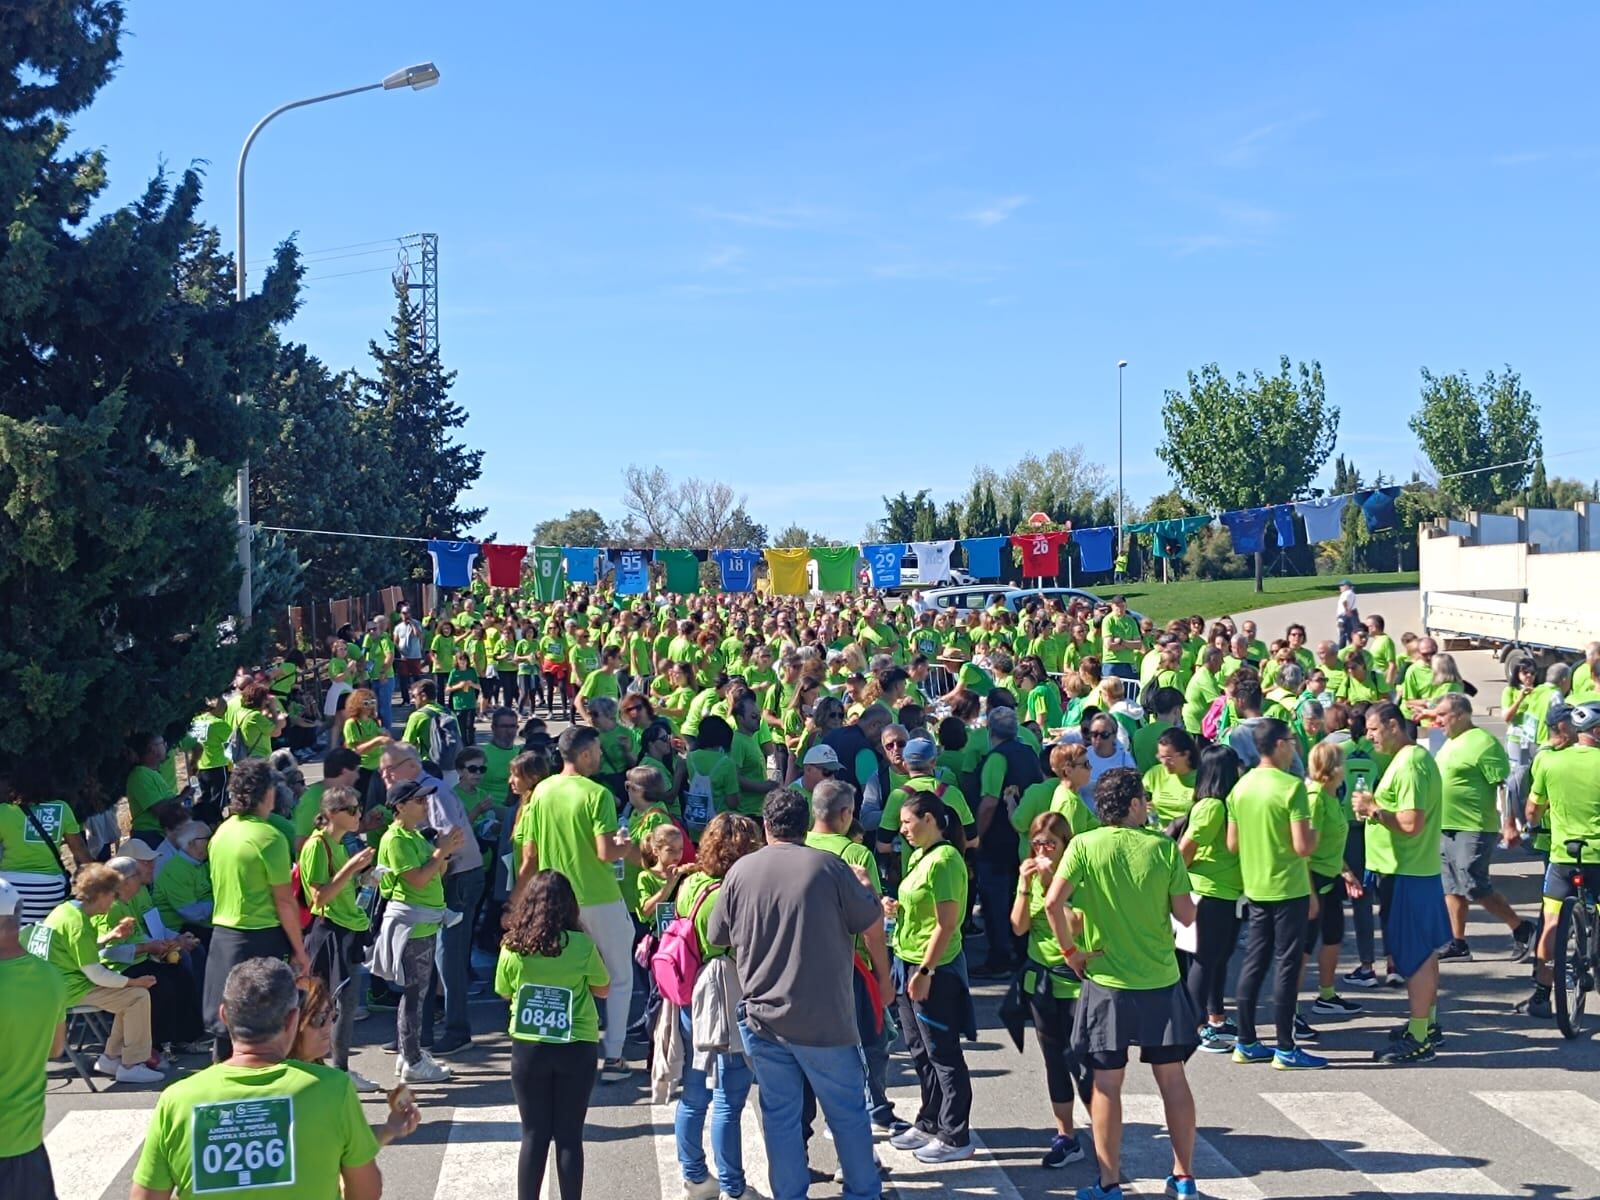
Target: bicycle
(1576, 963)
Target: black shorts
(28, 1175)
(1116, 1060)
(1558, 881)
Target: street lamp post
(1121, 366)
(416, 78)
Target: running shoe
(425, 1070)
(1362, 977)
(1435, 1033)
(937, 1151)
(1215, 1040)
(1297, 1060)
(1252, 1052)
(911, 1139)
(1456, 950)
(615, 1070)
(1096, 1192)
(1393, 979)
(1304, 1031)
(1064, 1151)
(1405, 1051)
(1335, 1004)
(362, 1083)
(1522, 940)
(1183, 1187)
(702, 1189)
(1537, 1004)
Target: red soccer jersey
(505, 565)
(1041, 553)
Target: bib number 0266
(241, 1144)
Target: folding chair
(87, 1022)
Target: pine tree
(407, 410)
(119, 431)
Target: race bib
(544, 1013)
(696, 809)
(242, 1144)
(666, 914)
(49, 818)
(39, 941)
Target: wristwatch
(924, 970)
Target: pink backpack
(676, 963)
(1211, 724)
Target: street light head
(1121, 362)
(416, 78)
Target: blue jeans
(453, 958)
(996, 887)
(725, 1103)
(384, 690)
(1120, 670)
(836, 1075)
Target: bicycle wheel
(1570, 967)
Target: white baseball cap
(822, 756)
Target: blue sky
(830, 251)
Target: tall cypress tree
(407, 409)
(119, 432)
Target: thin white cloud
(780, 216)
(1526, 158)
(1250, 146)
(997, 211)
(724, 258)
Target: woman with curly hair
(552, 974)
(727, 839)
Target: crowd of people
(760, 855)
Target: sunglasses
(473, 770)
(1042, 844)
(895, 744)
(1102, 736)
(349, 808)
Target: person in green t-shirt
(1473, 764)
(1129, 884)
(1170, 782)
(464, 689)
(182, 889)
(1331, 879)
(1050, 986)
(1403, 816)
(1121, 642)
(1214, 873)
(258, 1124)
(930, 972)
(552, 974)
(1269, 825)
(33, 1031)
(329, 878)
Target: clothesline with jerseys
(839, 567)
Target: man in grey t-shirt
(790, 915)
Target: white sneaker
(106, 1065)
(707, 1189)
(942, 1152)
(138, 1073)
(425, 1070)
(910, 1139)
(362, 1083)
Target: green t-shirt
(551, 997)
(66, 939)
(1044, 706)
(1472, 766)
(321, 858)
(748, 763)
(146, 788)
(562, 820)
(35, 1003)
(1171, 796)
(836, 567)
(307, 809)
(1569, 782)
(1263, 805)
(248, 859)
(889, 823)
(22, 848)
(1124, 628)
(211, 734)
(1043, 948)
(403, 850)
(261, 1133)
(934, 875)
(1215, 869)
(467, 699)
(689, 892)
(1332, 825)
(1143, 743)
(1123, 882)
(418, 731)
(974, 679)
(358, 730)
(496, 780)
(1197, 698)
(1410, 782)
(182, 881)
(841, 846)
(682, 571)
(1050, 795)
(599, 683)
(711, 785)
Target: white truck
(1513, 630)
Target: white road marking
(1146, 1161)
(481, 1156)
(89, 1148)
(1396, 1158)
(1568, 1120)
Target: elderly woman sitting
(67, 939)
(150, 951)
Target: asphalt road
(1509, 1108)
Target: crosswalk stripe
(482, 1153)
(753, 1147)
(1146, 1161)
(1568, 1120)
(1396, 1158)
(979, 1175)
(89, 1148)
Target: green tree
(580, 527)
(1249, 441)
(407, 408)
(119, 432)
(793, 536)
(981, 517)
(907, 518)
(1463, 427)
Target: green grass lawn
(1213, 598)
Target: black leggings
(1275, 930)
(1064, 1072)
(551, 1084)
(555, 685)
(1327, 927)
(1216, 925)
(932, 1033)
